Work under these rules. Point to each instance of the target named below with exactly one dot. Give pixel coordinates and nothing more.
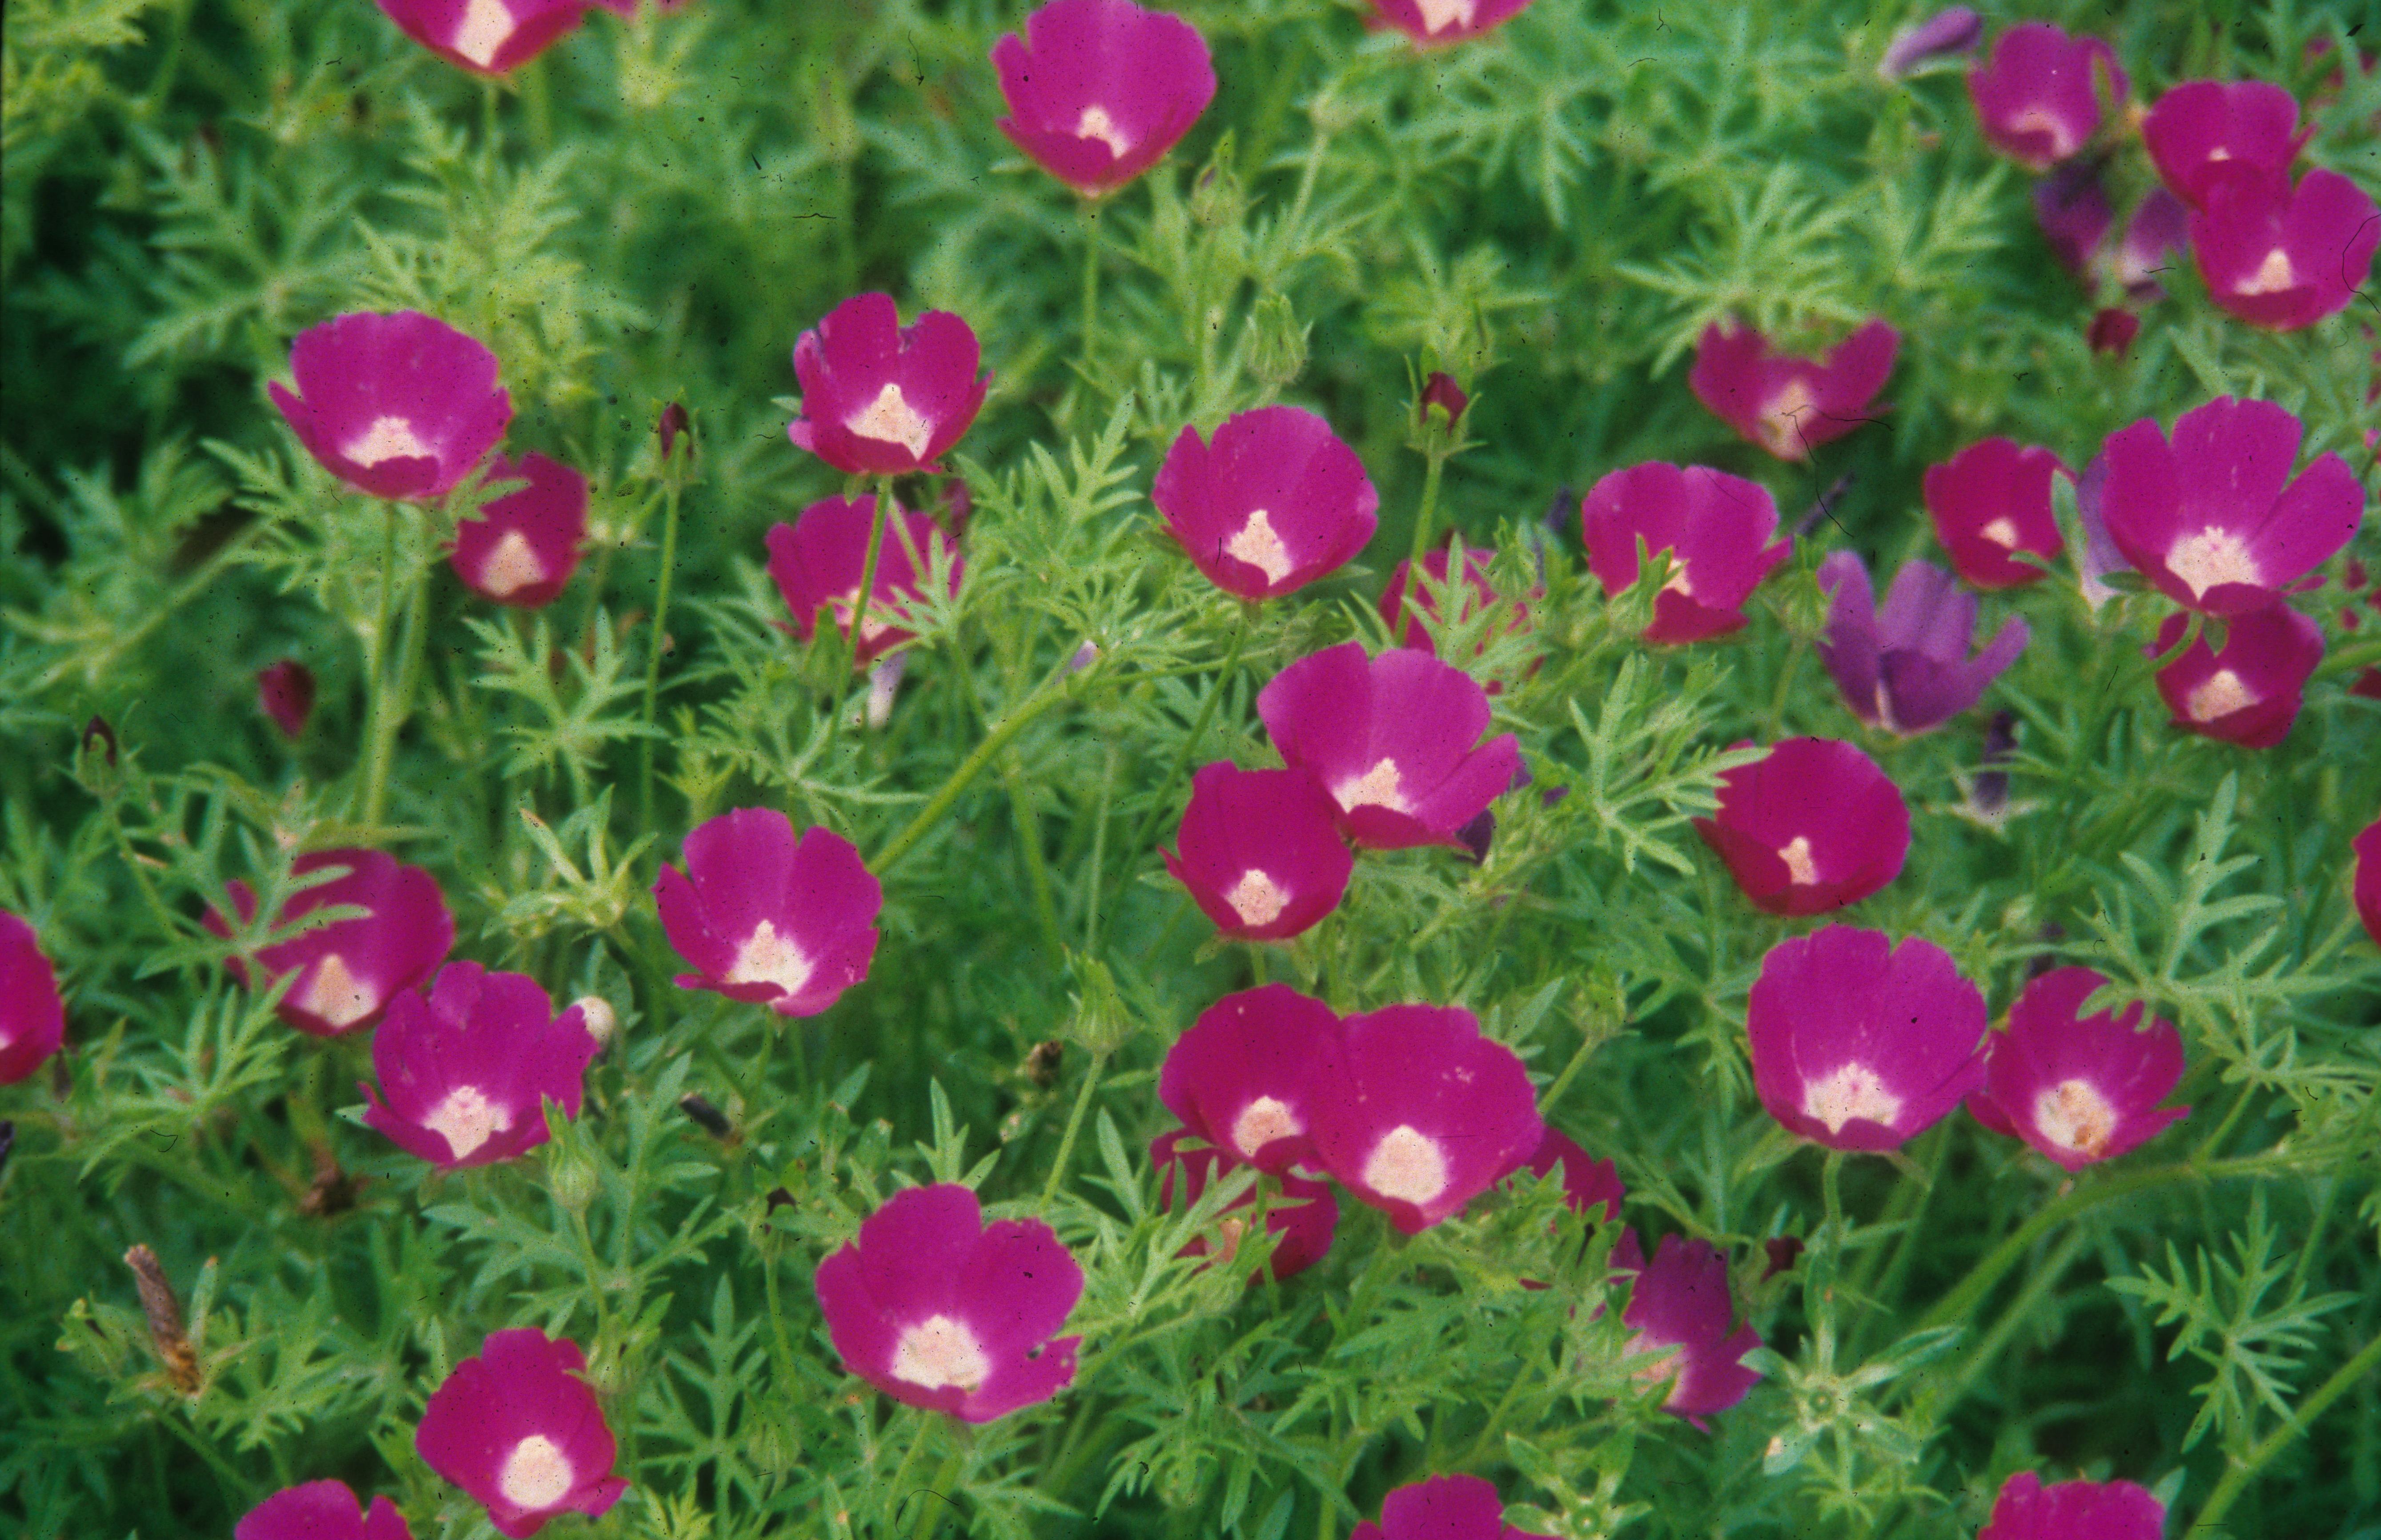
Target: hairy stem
(2242, 1472)
(673, 488)
(1020, 717)
(1074, 1128)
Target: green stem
(868, 565)
(1099, 858)
(673, 488)
(1074, 1127)
(393, 700)
(1190, 743)
(1043, 696)
(1588, 1041)
(2242, 1472)
(1424, 516)
(934, 1500)
(1091, 246)
(1479, 1449)
(1027, 818)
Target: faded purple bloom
(1427, 1114)
(2071, 206)
(2208, 518)
(469, 1071)
(1590, 1187)
(285, 692)
(2250, 692)
(2099, 557)
(1098, 91)
(1952, 30)
(1252, 1074)
(520, 1431)
(1991, 501)
(769, 919)
(2080, 1089)
(2101, 1510)
(880, 398)
(2202, 131)
(1814, 826)
(350, 970)
(2154, 242)
(1301, 1220)
(2365, 888)
(2284, 257)
(939, 1310)
(1715, 527)
(1260, 851)
(1444, 1508)
(1906, 669)
(1787, 405)
(322, 1511)
(486, 37)
(1679, 1307)
(2038, 99)
(2112, 330)
(1860, 1044)
(32, 1018)
(523, 547)
(1436, 23)
(400, 406)
(1441, 391)
(1989, 796)
(1273, 503)
(817, 560)
(1394, 739)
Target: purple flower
(1252, 1075)
(32, 1018)
(2038, 97)
(817, 561)
(1436, 23)
(2080, 1089)
(2250, 692)
(1906, 669)
(2281, 257)
(1790, 406)
(2206, 518)
(468, 1072)
(2202, 131)
(1716, 528)
(322, 1511)
(1679, 1307)
(1590, 1187)
(1814, 826)
(521, 1432)
(2365, 886)
(2153, 237)
(1301, 1221)
(1275, 502)
(1098, 91)
(764, 918)
(1953, 31)
(350, 970)
(2102, 1510)
(1860, 1045)
(880, 398)
(400, 406)
(1427, 1113)
(2073, 208)
(285, 692)
(939, 1310)
(1420, 608)
(1444, 1508)
(523, 547)
(486, 37)
(1990, 501)
(1260, 851)
(1394, 739)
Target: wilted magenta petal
(320, 1510)
(1814, 826)
(1273, 503)
(522, 1433)
(32, 1018)
(2154, 242)
(1098, 91)
(1790, 406)
(2038, 98)
(1991, 501)
(2284, 257)
(523, 547)
(2112, 330)
(1679, 1307)
(467, 1073)
(1252, 1075)
(1860, 1045)
(1716, 528)
(880, 398)
(1590, 1187)
(2250, 692)
(816, 563)
(1260, 851)
(1394, 739)
(2201, 125)
(940, 1311)
(1436, 23)
(1301, 1219)
(486, 37)
(1444, 1508)
(1955, 29)
(2365, 886)
(285, 692)
(400, 406)
(2102, 1510)
(766, 918)
(2073, 208)
(1906, 669)
(2080, 1089)
(348, 971)
(1428, 1115)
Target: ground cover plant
(1440, 768)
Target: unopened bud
(1947, 32)
(1216, 198)
(285, 692)
(884, 684)
(673, 421)
(1441, 391)
(1277, 341)
(165, 1312)
(1085, 656)
(595, 1013)
(572, 1178)
(97, 735)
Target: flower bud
(1441, 391)
(1276, 342)
(673, 421)
(601, 1020)
(1216, 198)
(572, 1177)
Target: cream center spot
(870, 629)
(768, 957)
(1096, 123)
(1407, 1165)
(1781, 420)
(890, 419)
(1260, 547)
(2274, 275)
(467, 1120)
(1262, 1121)
(536, 1475)
(1677, 582)
(1257, 899)
(2039, 121)
(939, 1353)
(1797, 857)
(2220, 695)
(388, 438)
(1659, 1370)
(1438, 16)
(1854, 1091)
(511, 567)
(2074, 1116)
(337, 995)
(2212, 557)
(2001, 531)
(1378, 787)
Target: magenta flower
(1590, 1187)
(322, 1511)
(2284, 257)
(1444, 1508)
(2112, 330)
(285, 692)
(1952, 30)
(468, 1072)
(2102, 1510)
(1420, 610)
(1098, 91)
(1301, 1220)
(1679, 1307)
(2038, 98)
(1906, 669)
(2073, 208)
(1275, 502)
(880, 398)
(1395, 739)
(1716, 528)
(350, 970)
(521, 1432)
(32, 1018)
(1260, 851)
(939, 1310)
(523, 547)
(2250, 692)
(486, 37)
(1860, 1045)
(1427, 1114)
(1813, 827)
(817, 562)
(400, 406)
(1252, 1074)
(2206, 518)
(764, 918)
(1790, 406)
(1990, 501)
(2203, 131)
(1436, 23)
(2367, 885)
(2080, 1089)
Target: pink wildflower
(2038, 99)
(1301, 1220)
(2284, 257)
(880, 398)
(32, 1018)
(1252, 1075)
(1715, 527)
(1261, 853)
(2250, 692)
(2080, 1089)
(350, 970)
(2154, 242)
(1906, 669)
(1590, 1187)
(522, 1433)
(322, 1511)
(2367, 885)
(486, 37)
(2102, 1510)
(1442, 1508)
(1679, 1307)
(816, 563)
(523, 547)
(468, 1072)
(1788, 405)
(285, 692)
(2201, 131)
(2112, 330)
(1991, 501)
(1814, 826)
(766, 918)
(2071, 206)
(398, 406)
(1273, 503)
(1436, 23)
(1098, 91)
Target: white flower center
(2276, 275)
(1659, 1369)
(2212, 557)
(1438, 16)
(1261, 1122)
(1407, 1165)
(1096, 123)
(337, 995)
(1260, 547)
(387, 438)
(1378, 787)
(536, 1475)
(890, 419)
(1851, 1092)
(2001, 531)
(768, 957)
(2074, 1116)
(1677, 582)
(511, 567)
(466, 1119)
(2220, 695)
(939, 1353)
(1256, 898)
(487, 25)
(870, 629)
(1780, 428)
(1797, 857)
(2040, 120)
